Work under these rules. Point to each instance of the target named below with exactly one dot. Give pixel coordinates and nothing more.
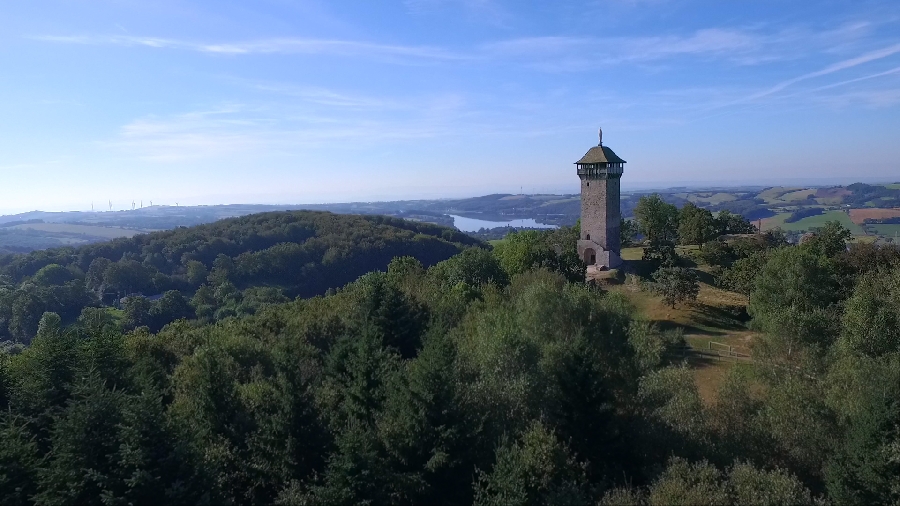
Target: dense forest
(490, 377)
(226, 268)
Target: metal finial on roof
(601, 137)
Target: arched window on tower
(588, 237)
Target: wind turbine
(110, 205)
(132, 205)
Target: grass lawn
(711, 319)
(116, 314)
(812, 222)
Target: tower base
(592, 253)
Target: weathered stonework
(600, 171)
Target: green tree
(53, 274)
(20, 460)
(792, 297)
(628, 231)
(137, 312)
(676, 284)
(728, 223)
(718, 253)
(81, 469)
(127, 277)
(96, 272)
(531, 249)
(658, 221)
(196, 272)
(170, 307)
(695, 225)
(871, 322)
(535, 469)
(830, 240)
(863, 470)
(741, 276)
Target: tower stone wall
(600, 171)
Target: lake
(473, 225)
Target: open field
(73, 228)
(860, 215)
(891, 230)
(717, 317)
(710, 198)
(797, 195)
(773, 195)
(812, 222)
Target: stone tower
(600, 171)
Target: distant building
(600, 171)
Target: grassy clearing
(117, 314)
(717, 316)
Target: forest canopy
(490, 377)
(230, 267)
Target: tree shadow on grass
(666, 325)
(705, 277)
(721, 317)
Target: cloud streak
(830, 69)
(287, 45)
(549, 53)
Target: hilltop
(230, 267)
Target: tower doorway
(590, 256)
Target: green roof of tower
(600, 154)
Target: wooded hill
(229, 267)
(493, 377)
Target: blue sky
(281, 101)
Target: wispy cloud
(288, 126)
(286, 45)
(585, 53)
(830, 69)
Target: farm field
(890, 230)
(798, 195)
(860, 215)
(73, 228)
(812, 222)
(773, 195)
(711, 198)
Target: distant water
(473, 225)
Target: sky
(309, 101)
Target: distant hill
(233, 265)
(41, 230)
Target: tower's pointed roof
(600, 154)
